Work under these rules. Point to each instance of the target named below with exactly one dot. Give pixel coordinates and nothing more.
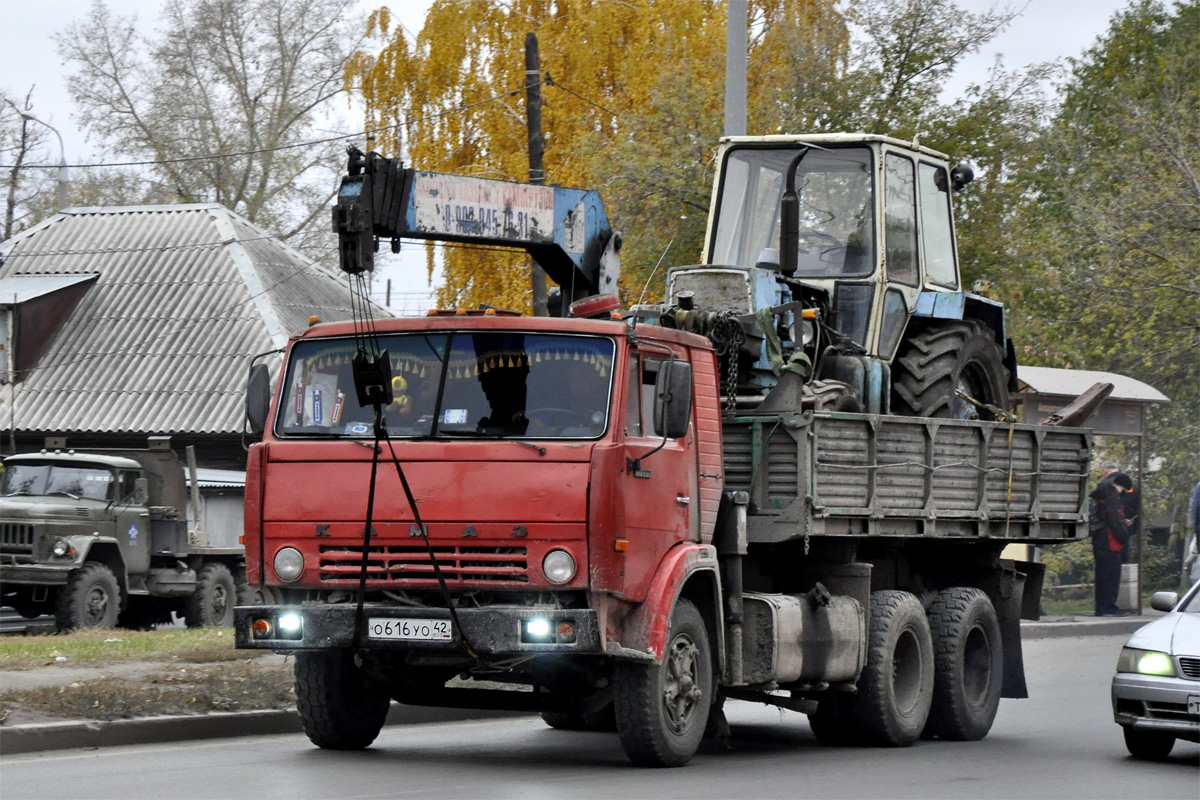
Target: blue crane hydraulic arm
(567, 231)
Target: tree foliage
(23, 142)
(1114, 220)
(224, 99)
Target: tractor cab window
(836, 209)
(937, 236)
(463, 384)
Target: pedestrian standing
(1109, 535)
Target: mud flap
(1008, 595)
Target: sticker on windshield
(454, 416)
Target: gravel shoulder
(132, 689)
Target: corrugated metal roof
(160, 343)
(22, 288)
(1074, 382)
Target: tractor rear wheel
(935, 364)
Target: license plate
(421, 630)
(1194, 703)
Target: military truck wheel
(211, 605)
(833, 722)
(896, 686)
(662, 709)
(248, 595)
(935, 363)
(969, 665)
(339, 707)
(91, 599)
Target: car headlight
(558, 566)
(61, 548)
(1145, 662)
(289, 564)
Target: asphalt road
(1062, 743)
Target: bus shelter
(1044, 390)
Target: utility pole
(735, 68)
(537, 145)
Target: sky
(1046, 30)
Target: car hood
(1177, 633)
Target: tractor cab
(856, 229)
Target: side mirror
(1163, 601)
(673, 398)
(258, 399)
(141, 491)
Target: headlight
(558, 566)
(289, 564)
(61, 548)
(1145, 662)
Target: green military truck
(102, 538)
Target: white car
(1156, 691)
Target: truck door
(132, 523)
(660, 490)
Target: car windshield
(836, 210)
(459, 384)
(47, 480)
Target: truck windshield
(460, 384)
(45, 480)
(837, 217)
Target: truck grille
(1190, 667)
(411, 566)
(15, 536)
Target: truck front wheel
(339, 707)
(662, 709)
(969, 665)
(896, 687)
(91, 599)
(211, 605)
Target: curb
(92, 734)
(1084, 626)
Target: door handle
(683, 500)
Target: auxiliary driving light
(558, 566)
(539, 630)
(289, 564)
(290, 626)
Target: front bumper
(1156, 703)
(36, 574)
(495, 630)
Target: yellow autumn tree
(633, 99)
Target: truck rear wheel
(339, 707)
(969, 665)
(91, 599)
(935, 363)
(211, 605)
(662, 709)
(896, 686)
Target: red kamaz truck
(622, 522)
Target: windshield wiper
(541, 451)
